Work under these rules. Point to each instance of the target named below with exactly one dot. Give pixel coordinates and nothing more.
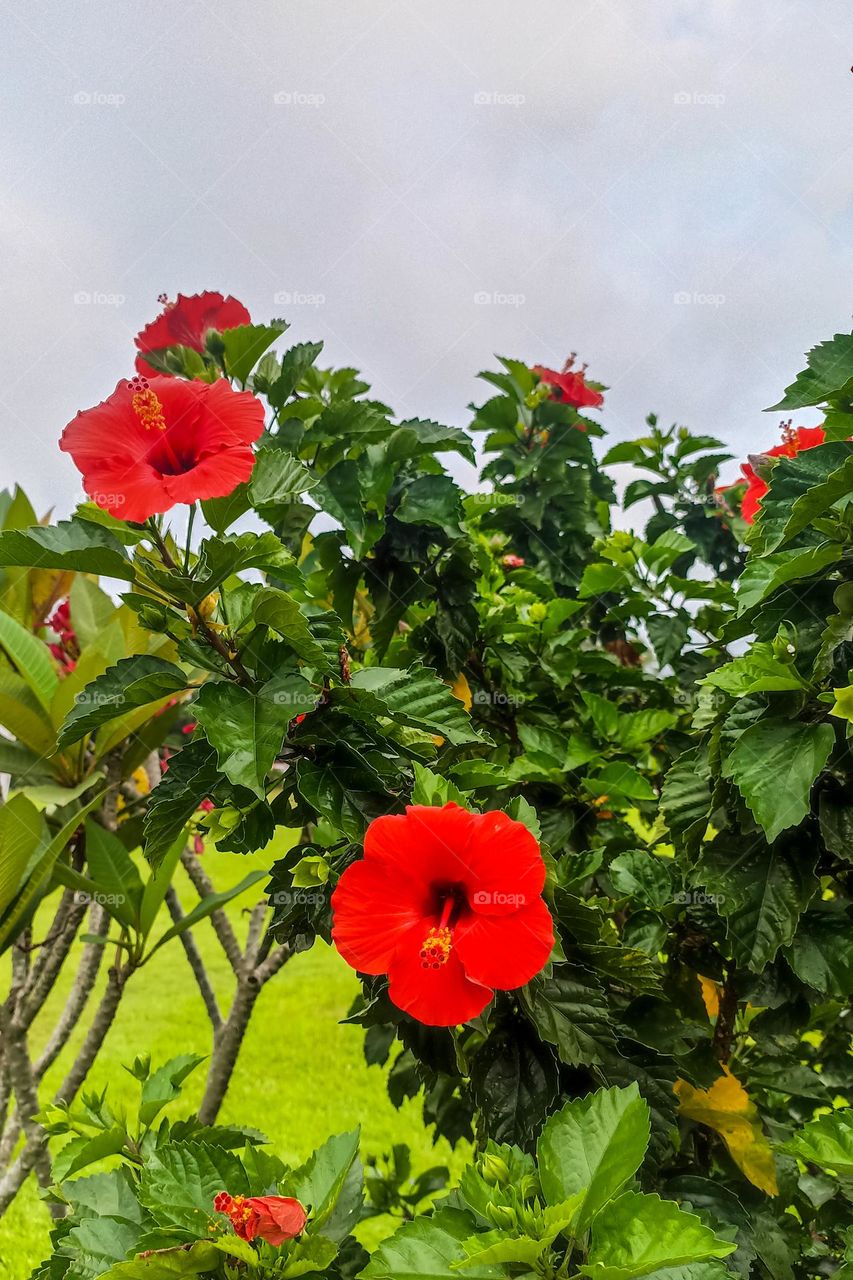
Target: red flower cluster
(271, 1218)
(186, 322)
(67, 648)
(512, 562)
(794, 441)
(154, 443)
(448, 904)
(569, 387)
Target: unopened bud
(503, 1216)
(494, 1170)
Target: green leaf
(427, 1249)
(70, 544)
(620, 782)
(245, 344)
(114, 873)
(498, 1246)
(21, 832)
(281, 612)
(278, 479)
(179, 1182)
(164, 1085)
(641, 875)
(758, 670)
(762, 575)
(636, 1235)
(192, 776)
(569, 1011)
(206, 906)
(432, 500)
(81, 1152)
(331, 1183)
(219, 558)
(30, 657)
(247, 729)
(801, 489)
(295, 363)
(39, 872)
(826, 1142)
(220, 513)
(415, 697)
(761, 891)
(168, 1264)
(592, 1147)
(130, 684)
(821, 953)
(774, 764)
(431, 789)
(829, 375)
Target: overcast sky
(660, 185)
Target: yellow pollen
(436, 948)
(149, 410)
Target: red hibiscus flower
(794, 441)
(186, 323)
(271, 1218)
(512, 562)
(154, 443)
(569, 387)
(448, 904)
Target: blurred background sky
(660, 185)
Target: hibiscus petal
(428, 845)
(505, 867)
(505, 951)
(214, 477)
(443, 997)
(371, 912)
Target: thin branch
(221, 924)
(195, 961)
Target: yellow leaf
(461, 690)
(711, 995)
(728, 1109)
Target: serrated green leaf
(130, 684)
(774, 764)
(592, 1148)
(71, 544)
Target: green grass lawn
(301, 1075)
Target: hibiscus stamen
(146, 404)
(436, 948)
(163, 299)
